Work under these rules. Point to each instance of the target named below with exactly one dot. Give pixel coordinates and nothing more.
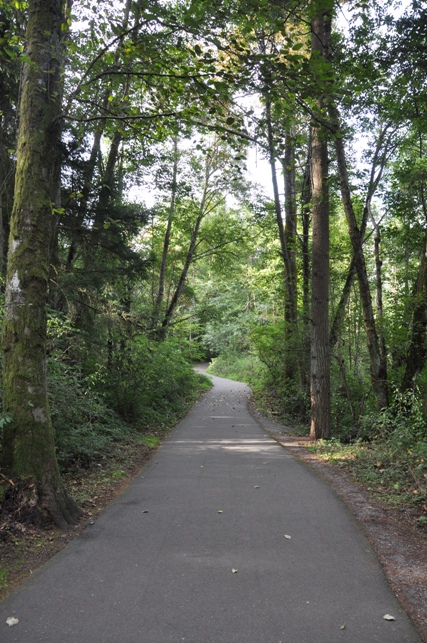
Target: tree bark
(306, 271)
(291, 212)
(379, 290)
(320, 348)
(28, 440)
(417, 352)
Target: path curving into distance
(219, 495)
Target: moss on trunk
(28, 440)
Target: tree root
(39, 503)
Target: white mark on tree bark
(14, 295)
(15, 245)
(39, 415)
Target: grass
(398, 479)
(242, 368)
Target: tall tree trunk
(305, 242)
(293, 362)
(385, 144)
(107, 187)
(7, 135)
(379, 290)
(290, 304)
(378, 366)
(184, 273)
(207, 204)
(290, 212)
(166, 241)
(306, 271)
(4, 161)
(417, 352)
(28, 440)
(320, 347)
(86, 190)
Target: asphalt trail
(220, 495)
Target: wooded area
(134, 242)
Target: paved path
(156, 567)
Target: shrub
(400, 443)
(150, 382)
(85, 428)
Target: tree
(320, 348)
(28, 441)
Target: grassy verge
(398, 479)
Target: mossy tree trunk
(28, 442)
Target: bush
(85, 428)
(399, 449)
(150, 382)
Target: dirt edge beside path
(399, 545)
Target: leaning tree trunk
(167, 238)
(385, 144)
(28, 442)
(320, 347)
(378, 365)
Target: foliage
(150, 383)
(394, 460)
(85, 428)
(238, 366)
